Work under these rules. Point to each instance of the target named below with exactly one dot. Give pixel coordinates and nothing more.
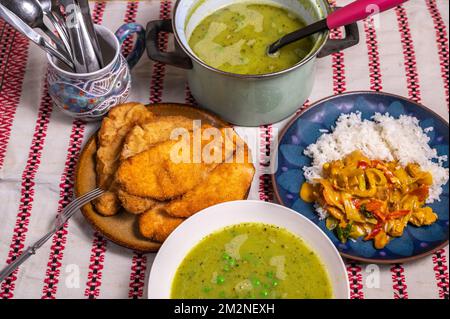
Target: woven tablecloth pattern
(403, 51)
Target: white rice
(383, 138)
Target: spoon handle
(32, 35)
(86, 12)
(55, 39)
(57, 54)
(359, 10)
(61, 31)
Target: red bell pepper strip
(398, 214)
(363, 164)
(356, 203)
(376, 230)
(374, 205)
(422, 192)
(389, 175)
(379, 215)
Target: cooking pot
(245, 100)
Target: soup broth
(235, 39)
(251, 260)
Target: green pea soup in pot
(235, 39)
(251, 260)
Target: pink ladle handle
(359, 10)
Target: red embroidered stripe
(399, 282)
(96, 260)
(354, 272)
(374, 56)
(189, 97)
(27, 190)
(66, 194)
(158, 73)
(442, 43)
(441, 273)
(13, 61)
(265, 181)
(339, 80)
(412, 77)
(130, 16)
(137, 276)
(52, 273)
(99, 10)
(304, 107)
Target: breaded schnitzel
(158, 173)
(227, 182)
(142, 137)
(135, 204)
(156, 225)
(120, 120)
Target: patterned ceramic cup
(89, 96)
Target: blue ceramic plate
(305, 128)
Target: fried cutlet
(142, 137)
(120, 120)
(135, 204)
(227, 182)
(156, 225)
(169, 169)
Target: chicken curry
(371, 198)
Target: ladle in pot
(355, 11)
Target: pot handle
(176, 58)
(336, 45)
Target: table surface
(404, 52)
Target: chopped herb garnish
(344, 233)
(363, 210)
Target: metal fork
(61, 219)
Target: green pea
(275, 283)
(220, 280)
(269, 274)
(264, 293)
(226, 256)
(256, 282)
(207, 289)
(231, 262)
(226, 268)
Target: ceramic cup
(245, 100)
(89, 96)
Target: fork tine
(75, 204)
(70, 210)
(86, 197)
(82, 200)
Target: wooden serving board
(122, 228)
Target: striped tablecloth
(405, 53)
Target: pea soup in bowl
(223, 45)
(246, 250)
